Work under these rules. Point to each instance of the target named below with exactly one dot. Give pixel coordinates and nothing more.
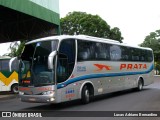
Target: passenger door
(66, 60)
(65, 66)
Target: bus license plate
(32, 99)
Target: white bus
(8, 80)
(63, 68)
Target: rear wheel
(85, 96)
(140, 85)
(14, 88)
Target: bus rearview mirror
(50, 59)
(13, 64)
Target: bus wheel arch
(87, 92)
(140, 83)
(14, 88)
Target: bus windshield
(34, 64)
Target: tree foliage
(16, 49)
(87, 24)
(153, 41)
(115, 34)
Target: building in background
(28, 19)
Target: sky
(135, 18)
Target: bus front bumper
(37, 98)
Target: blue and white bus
(63, 68)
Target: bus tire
(85, 96)
(14, 88)
(140, 85)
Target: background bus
(8, 80)
(63, 68)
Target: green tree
(16, 49)
(116, 34)
(87, 24)
(153, 41)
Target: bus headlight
(21, 93)
(51, 93)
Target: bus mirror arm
(11, 62)
(50, 59)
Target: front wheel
(85, 96)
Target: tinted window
(149, 56)
(102, 51)
(125, 53)
(135, 54)
(66, 60)
(88, 50)
(0, 66)
(35, 62)
(115, 52)
(142, 55)
(5, 65)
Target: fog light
(52, 99)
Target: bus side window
(149, 54)
(102, 51)
(142, 58)
(83, 55)
(115, 52)
(0, 65)
(5, 65)
(125, 57)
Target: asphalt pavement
(146, 100)
(7, 95)
(10, 95)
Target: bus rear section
(8, 80)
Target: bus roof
(4, 57)
(87, 38)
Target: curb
(156, 75)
